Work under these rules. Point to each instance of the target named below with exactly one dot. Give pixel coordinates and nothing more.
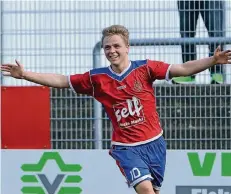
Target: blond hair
(116, 30)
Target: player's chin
(115, 63)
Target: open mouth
(114, 57)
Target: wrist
(214, 61)
(24, 74)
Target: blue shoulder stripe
(102, 70)
(136, 64)
(105, 70)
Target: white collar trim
(123, 72)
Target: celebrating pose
(125, 89)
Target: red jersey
(128, 99)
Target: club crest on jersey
(129, 113)
(137, 86)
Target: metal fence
(59, 37)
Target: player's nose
(112, 50)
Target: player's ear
(128, 48)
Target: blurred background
(63, 37)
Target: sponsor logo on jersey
(121, 87)
(129, 113)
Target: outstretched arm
(52, 80)
(196, 66)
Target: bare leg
(157, 192)
(145, 187)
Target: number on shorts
(135, 173)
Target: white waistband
(137, 143)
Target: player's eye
(117, 46)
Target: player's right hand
(13, 70)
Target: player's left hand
(222, 57)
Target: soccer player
(125, 90)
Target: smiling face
(115, 49)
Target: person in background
(212, 13)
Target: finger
(6, 69)
(6, 74)
(218, 48)
(228, 53)
(9, 65)
(6, 66)
(17, 62)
